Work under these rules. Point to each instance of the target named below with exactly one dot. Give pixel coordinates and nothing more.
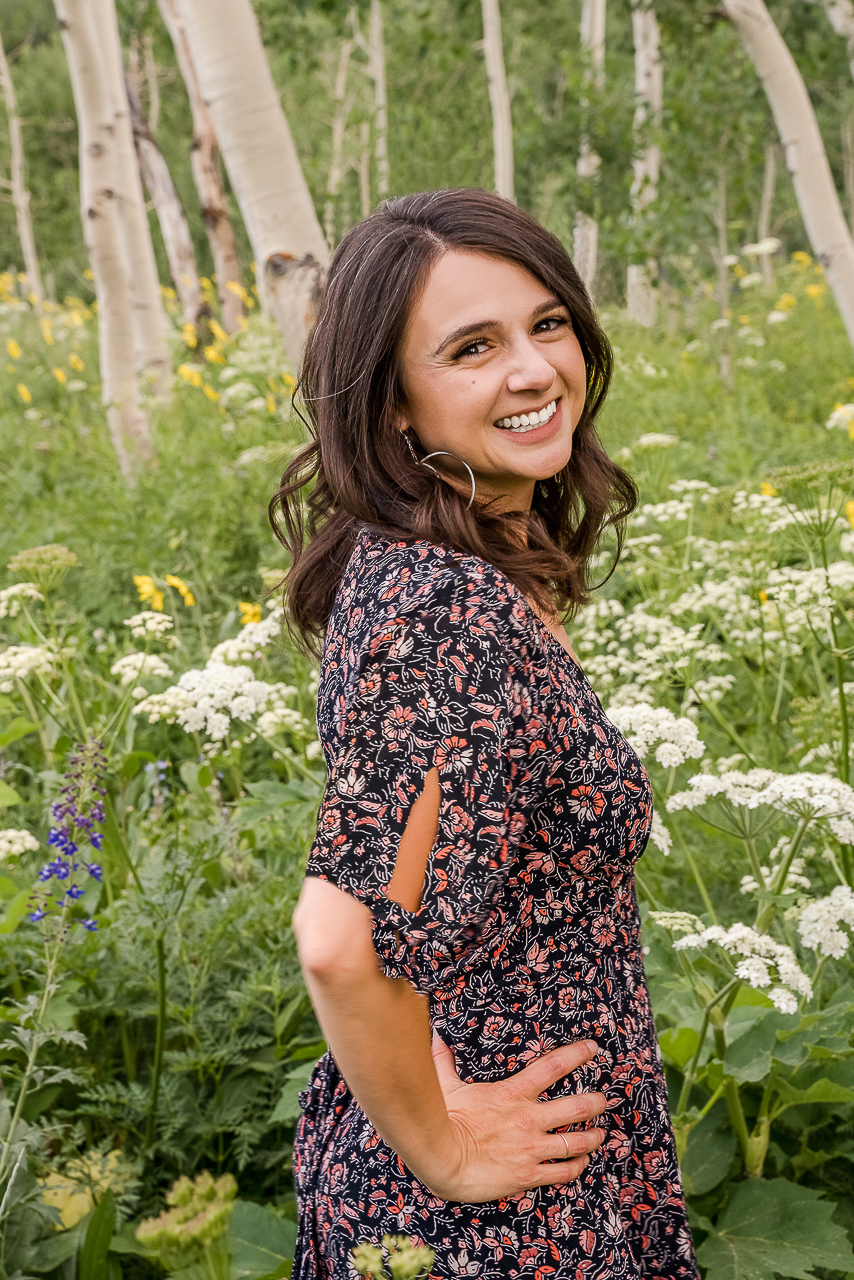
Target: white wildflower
(21, 660)
(752, 278)
(148, 622)
(207, 699)
(678, 921)
(253, 638)
(819, 921)
(776, 317)
(133, 665)
(800, 795)
(11, 598)
(14, 841)
(758, 952)
(644, 727)
(660, 836)
(656, 440)
(842, 418)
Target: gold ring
(566, 1144)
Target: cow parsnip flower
(12, 598)
(14, 841)
(149, 623)
(760, 955)
(133, 665)
(674, 738)
(819, 921)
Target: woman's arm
(470, 1142)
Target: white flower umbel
(800, 795)
(206, 700)
(760, 954)
(11, 598)
(21, 660)
(842, 419)
(675, 738)
(14, 841)
(819, 921)
(251, 642)
(660, 836)
(133, 665)
(149, 623)
(677, 921)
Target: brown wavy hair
(357, 459)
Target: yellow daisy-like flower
(190, 374)
(801, 258)
(234, 286)
(289, 380)
(60, 375)
(849, 511)
(191, 338)
(271, 404)
(168, 292)
(13, 349)
(76, 363)
(249, 612)
(181, 587)
(218, 332)
(148, 591)
(213, 355)
(767, 490)
(763, 597)
(786, 301)
(47, 330)
(744, 319)
(88, 274)
(815, 291)
(25, 393)
(211, 392)
(206, 284)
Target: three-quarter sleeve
(435, 686)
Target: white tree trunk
(766, 205)
(17, 184)
(151, 83)
(840, 14)
(499, 98)
(167, 203)
(343, 106)
(585, 247)
(806, 159)
(204, 159)
(105, 242)
(364, 168)
(641, 298)
(380, 100)
(262, 162)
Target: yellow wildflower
(249, 612)
(167, 291)
(76, 363)
(802, 259)
(786, 301)
(213, 355)
(181, 587)
(22, 277)
(234, 286)
(744, 319)
(206, 283)
(218, 332)
(849, 511)
(190, 336)
(71, 1192)
(738, 271)
(190, 374)
(13, 349)
(271, 404)
(767, 490)
(211, 393)
(815, 291)
(25, 393)
(60, 375)
(88, 275)
(47, 331)
(148, 590)
(763, 597)
(288, 380)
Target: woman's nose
(530, 370)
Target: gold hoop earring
(440, 453)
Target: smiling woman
(470, 886)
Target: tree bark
(380, 101)
(806, 158)
(151, 83)
(17, 184)
(105, 242)
(641, 293)
(585, 248)
(339, 124)
(364, 168)
(766, 205)
(167, 203)
(261, 159)
(204, 159)
(499, 98)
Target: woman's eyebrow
(480, 325)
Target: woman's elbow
(333, 934)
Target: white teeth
(528, 421)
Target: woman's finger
(550, 1175)
(580, 1143)
(546, 1071)
(575, 1109)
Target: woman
(471, 880)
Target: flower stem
(159, 1042)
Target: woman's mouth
(524, 423)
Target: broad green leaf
(288, 1108)
(19, 728)
(260, 1242)
(51, 1252)
(708, 1154)
(8, 796)
(818, 1091)
(15, 912)
(678, 1044)
(749, 1057)
(773, 1228)
(92, 1264)
(125, 1241)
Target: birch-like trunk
(102, 229)
(167, 203)
(840, 14)
(343, 105)
(261, 159)
(640, 291)
(151, 83)
(848, 166)
(17, 184)
(766, 205)
(806, 158)
(585, 246)
(499, 99)
(364, 168)
(380, 100)
(204, 159)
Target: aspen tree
(380, 102)
(499, 98)
(343, 105)
(262, 162)
(102, 230)
(167, 203)
(585, 243)
(640, 292)
(766, 204)
(806, 158)
(204, 159)
(16, 184)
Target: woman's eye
(473, 348)
(552, 322)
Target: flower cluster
(760, 954)
(253, 639)
(400, 1258)
(46, 567)
(800, 795)
(22, 660)
(79, 807)
(133, 665)
(14, 841)
(206, 700)
(12, 598)
(149, 623)
(795, 878)
(198, 1214)
(644, 726)
(819, 921)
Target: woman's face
(493, 373)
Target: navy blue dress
(527, 937)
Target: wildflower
(218, 332)
(235, 287)
(644, 726)
(677, 921)
(213, 354)
(198, 1214)
(148, 590)
(20, 661)
(206, 699)
(247, 646)
(76, 363)
(759, 953)
(191, 338)
(656, 440)
(808, 796)
(211, 393)
(47, 330)
(786, 301)
(181, 587)
(147, 622)
(60, 375)
(815, 291)
(249, 612)
(818, 923)
(13, 348)
(14, 841)
(659, 835)
(762, 248)
(849, 511)
(11, 598)
(75, 812)
(776, 316)
(801, 259)
(190, 374)
(750, 279)
(25, 393)
(271, 404)
(46, 567)
(206, 284)
(88, 274)
(289, 380)
(70, 1191)
(133, 665)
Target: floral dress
(527, 936)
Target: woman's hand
(503, 1133)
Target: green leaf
(260, 1242)
(708, 1153)
(19, 728)
(56, 1249)
(288, 1108)
(749, 1057)
(99, 1234)
(133, 762)
(125, 1241)
(819, 1091)
(15, 912)
(8, 796)
(773, 1228)
(678, 1044)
